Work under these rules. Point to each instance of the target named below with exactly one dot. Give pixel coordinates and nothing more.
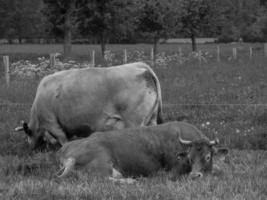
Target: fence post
(250, 52)
(265, 49)
(152, 57)
(218, 53)
(199, 57)
(93, 58)
(52, 60)
(124, 56)
(6, 64)
(234, 53)
(180, 52)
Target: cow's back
(82, 100)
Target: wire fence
(167, 105)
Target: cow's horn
(214, 142)
(68, 166)
(20, 128)
(186, 142)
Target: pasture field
(225, 99)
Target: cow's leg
(58, 133)
(122, 180)
(153, 120)
(101, 165)
(116, 174)
(113, 121)
(49, 138)
(117, 177)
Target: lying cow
(78, 102)
(142, 151)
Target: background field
(83, 52)
(225, 99)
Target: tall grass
(243, 177)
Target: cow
(75, 103)
(178, 147)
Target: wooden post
(250, 52)
(199, 56)
(218, 53)
(265, 49)
(124, 56)
(52, 60)
(93, 58)
(180, 52)
(6, 64)
(234, 53)
(152, 57)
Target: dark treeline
(131, 21)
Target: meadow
(225, 99)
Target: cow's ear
(182, 154)
(26, 128)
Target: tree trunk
(194, 44)
(67, 33)
(155, 46)
(103, 45)
(20, 39)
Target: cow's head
(201, 154)
(35, 138)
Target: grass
(225, 99)
(244, 177)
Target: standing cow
(78, 102)
(142, 151)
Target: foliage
(155, 19)
(101, 19)
(62, 17)
(243, 18)
(130, 21)
(21, 19)
(257, 31)
(55, 13)
(196, 16)
(36, 70)
(26, 69)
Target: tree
(104, 18)
(156, 19)
(20, 19)
(61, 15)
(242, 19)
(3, 17)
(196, 16)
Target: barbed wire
(203, 104)
(164, 105)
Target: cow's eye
(207, 157)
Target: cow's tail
(158, 103)
(67, 167)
